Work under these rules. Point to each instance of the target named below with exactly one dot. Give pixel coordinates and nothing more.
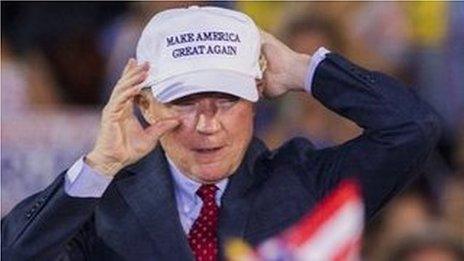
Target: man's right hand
(121, 139)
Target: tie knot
(207, 192)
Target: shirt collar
(186, 188)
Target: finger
(128, 83)
(126, 66)
(133, 80)
(268, 41)
(266, 49)
(129, 65)
(264, 36)
(121, 84)
(121, 101)
(161, 127)
(136, 69)
(266, 89)
(262, 61)
(126, 94)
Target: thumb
(264, 36)
(161, 127)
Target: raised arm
(58, 220)
(400, 130)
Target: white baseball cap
(201, 49)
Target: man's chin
(210, 172)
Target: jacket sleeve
(49, 225)
(399, 133)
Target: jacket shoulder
(293, 150)
(289, 157)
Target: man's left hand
(285, 69)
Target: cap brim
(230, 82)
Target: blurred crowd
(59, 62)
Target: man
(178, 189)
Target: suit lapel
(237, 199)
(149, 191)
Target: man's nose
(208, 122)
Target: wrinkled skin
(214, 131)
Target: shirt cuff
(316, 59)
(82, 181)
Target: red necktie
(203, 234)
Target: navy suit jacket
(137, 218)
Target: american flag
(331, 231)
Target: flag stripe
(346, 192)
(350, 251)
(345, 226)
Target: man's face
(213, 136)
